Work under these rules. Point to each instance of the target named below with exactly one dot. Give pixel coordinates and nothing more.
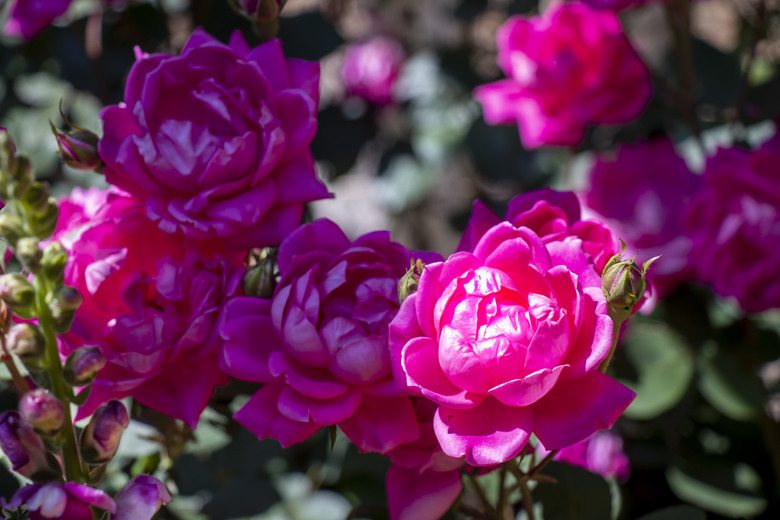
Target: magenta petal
(528, 390)
(381, 423)
(325, 412)
(488, 434)
(247, 341)
(482, 219)
(416, 495)
(575, 409)
(261, 417)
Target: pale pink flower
(371, 69)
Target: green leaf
(676, 513)
(726, 502)
(578, 494)
(664, 366)
(733, 392)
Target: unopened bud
(21, 176)
(11, 227)
(141, 498)
(16, 291)
(36, 196)
(260, 280)
(100, 439)
(624, 284)
(24, 448)
(26, 341)
(53, 262)
(43, 221)
(78, 148)
(63, 303)
(407, 285)
(82, 365)
(29, 252)
(42, 411)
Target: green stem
(615, 335)
(528, 501)
(482, 496)
(70, 451)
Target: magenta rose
(215, 141)
(601, 453)
(566, 69)
(553, 215)
(29, 17)
(150, 306)
(320, 345)
(68, 501)
(506, 340)
(734, 221)
(371, 69)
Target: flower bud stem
(615, 335)
(70, 454)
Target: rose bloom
(371, 69)
(734, 221)
(215, 141)
(150, 305)
(566, 69)
(320, 345)
(506, 339)
(68, 501)
(601, 453)
(29, 17)
(642, 193)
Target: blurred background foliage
(703, 436)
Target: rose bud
(53, 261)
(23, 447)
(16, 291)
(78, 148)
(42, 411)
(407, 285)
(100, 439)
(29, 252)
(82, 365)
(140, 499)
(26, 341)
(260, 279)
(624, 284)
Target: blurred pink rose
(506, 340)
(601, 453)
(215, 141)
(68, 501)
(734, 221)
(29, 17)
(150, 305)
(423, 482)
(618, 5)
(320, 346)
(642, 193)
(371, 69)
(566, 69)
(553, 215)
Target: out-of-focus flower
(553, 215)
(215, 141)
(568, 68)
(29, 17)
(506, 339)
(371, 69)
(41, 410)
(259, 11)
(618, 5)
(140, 499)
(423, 482)
(150, 305)
(734, 221)
(23, 447)
(100, 439)
(320, 345)
(68, 501)
(642, 193)
(601, 453)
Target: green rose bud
(260, 279)
(407, 285)
(624, 284)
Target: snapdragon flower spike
(140, 499)
(42, 411)
(68, 501)
(624, 285)
(100, 439)
(24, 448)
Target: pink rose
(371, 69)
(734, 221)
(506, 340)
(553, 215)
(29, 17)
(215, 141)
(566, 69)
(642, 193)
(320, 345)
(601, 453)
(150, 305)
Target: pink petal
(416, 495)
(381, 423)
(260, 416)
